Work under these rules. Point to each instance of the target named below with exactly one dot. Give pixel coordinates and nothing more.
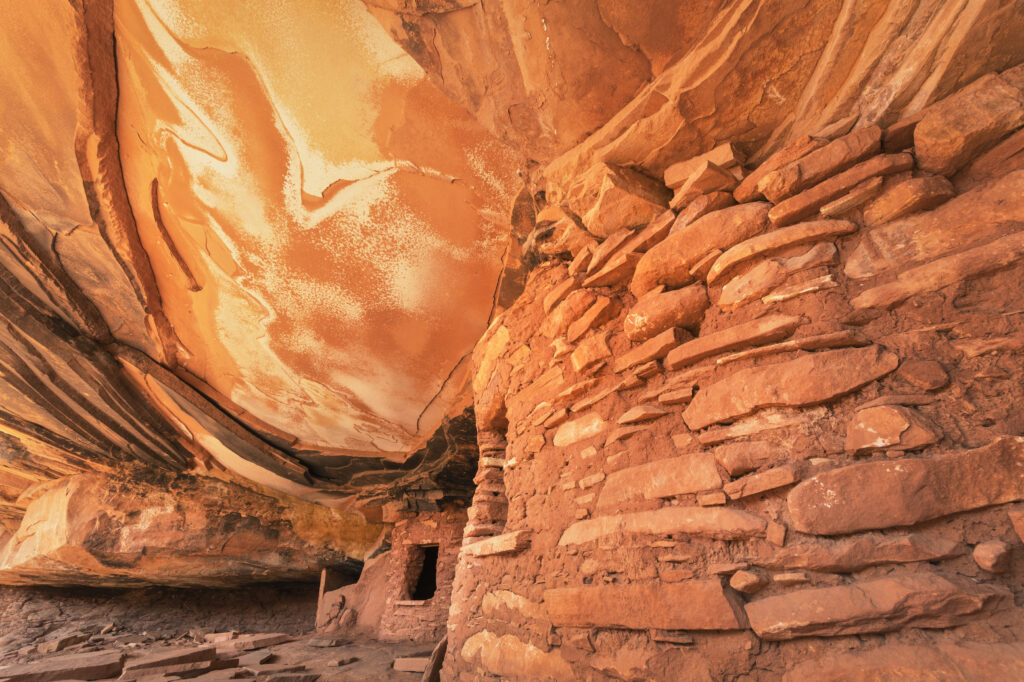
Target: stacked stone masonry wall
(766, 423)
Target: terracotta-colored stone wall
(771, 431)
(404, 618)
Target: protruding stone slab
(808, 202)
(506, 543)
(764, 330)
(700, 207)
(748, 191)
(875, 495)
(968, 220)
(597, 314)
(953, 131)
(652, 349)
(559, 292)
(707, 178)
(801, 233)
(741, 458)
(715, 522)
(858, 196)
(664, 478)
(820, 164)
(689, 605)
(921, 600)
(655, 313)
(909, 196)
(590, 352)
(853, 554)
(625, 199)
(724, 156)
(963, 662)
(764, 277)
(670, 261)
(642, 413)
(944, 271)
(835, 372)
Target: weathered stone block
(875, 495)
(688, 605)
(786, 384)
(921, 600)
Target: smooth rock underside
(673, 340)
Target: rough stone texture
(656, 312)
(785, 384)
(885, 494)
(963, 125)
(96, 530)
(921, 600)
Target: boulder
(956, 129)
(657, 312)
(807, 203)
(909, 196)
(876, 495)
(626, 198)
(718, 523)
(764, 330)
(993, 556)
(817, 165)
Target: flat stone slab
(689, 605)
(711, 522)
(884, 494)
(921, 600)
(92, 666)
(835, 372)
(663, 478)
(853, 554)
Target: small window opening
(426, 582)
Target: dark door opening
(426, 581)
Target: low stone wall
(773, 430)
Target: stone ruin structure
(578, 340)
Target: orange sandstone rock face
(96, 530)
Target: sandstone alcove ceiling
(502, 318)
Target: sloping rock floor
(262, 633)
